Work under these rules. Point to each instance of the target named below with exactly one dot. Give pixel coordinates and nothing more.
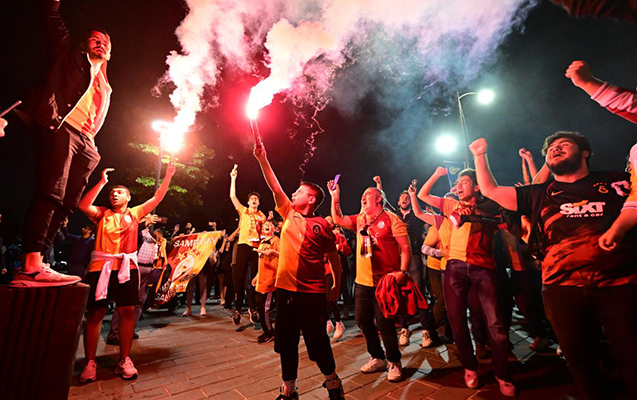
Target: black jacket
(66, 78)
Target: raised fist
(478, 147)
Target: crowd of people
(559, 246)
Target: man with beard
(585, 287)
(64, 113)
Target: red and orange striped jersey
(304, 243)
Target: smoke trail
(319, 51)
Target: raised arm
(580, 74)
(506, 196)
(270, 178)
(379, 184)
(233, 188)
(529, 164)
(56, 34)
(335, 207)
(86, 203)
(415, 206)
(159, 195)
(543, 175)
(425, 191)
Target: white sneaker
(338, 331)
(330, 327)
(374, 365)
(43, 277)
(426, 339)
(126, 369)
(395, 372)
(403, 339)
(202, 312)
(89, 374)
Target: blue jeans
(367, 310)
(462, 280)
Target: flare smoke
(309, 44)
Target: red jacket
(394, 299)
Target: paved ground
(208, 357)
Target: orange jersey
(433, 240)
(304, 243)
(116, 233)
(385, 249)
(472, 242)
(267, 266)
(250, 224)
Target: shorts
(123, 294)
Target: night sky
(533, 100)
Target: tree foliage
(188, 184)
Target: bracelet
(479, 154)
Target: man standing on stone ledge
(64, 112)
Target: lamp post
(484, 97)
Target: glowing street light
(446, 144)
(171, 139)
(485, 96)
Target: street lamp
(170, 138)
(484, 97)
(446, 144)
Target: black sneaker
(254, 315)
(236, 318)
(265, 337)
(335, 389)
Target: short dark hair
(121, 187)
(91, 227)
(253, 194)
(580, 141)
(471, 173)
(317, 192)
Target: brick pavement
(208, 357)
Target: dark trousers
(576, 315)
(331, 305)
(144, 279)
(426, 319)
(439, 308)
(247, 260)
(461, 280)
(66, 159)
(302, 312)
(368, 310)
(264, 306)
(527, 288)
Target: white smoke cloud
(309, 44)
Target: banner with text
(186, 259)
